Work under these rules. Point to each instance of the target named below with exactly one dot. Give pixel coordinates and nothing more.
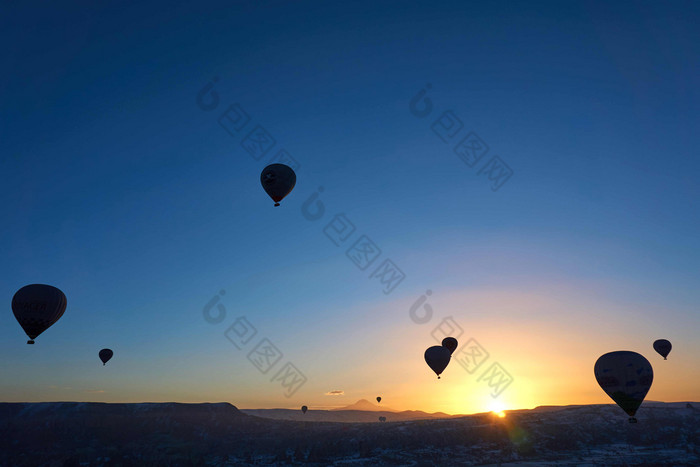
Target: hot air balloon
(379, 399)
(663, 347)
(450, 343)
(105, 356)
(382, 419)
(278, 180)
(304, 408)
(37, 307)
(626, 377)
(437, 357)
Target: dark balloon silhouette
(278, 180)
(626, 377)
(37, 307)
(379, 399)
(450, 343)
(437, 357)
(304, 408)
(105, 356)
(382, 419)
(663, 347)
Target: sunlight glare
(497, 408)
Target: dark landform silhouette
(213, 434)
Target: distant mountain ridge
(362, 411)
(364, 404)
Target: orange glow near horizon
(547, 340)
(497, 408)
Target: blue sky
(122, 192)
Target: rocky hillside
(90, 434)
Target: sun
(497, 408)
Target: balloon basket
(30, 342)
(633, 420)
(277, 204)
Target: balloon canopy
(663, 347)
(450, 343)
(37, 307)
(626, 377)
(304, 408)
(437, 357)
(105, 355)
(379, 399)
(278, 180)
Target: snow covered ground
(89, 434)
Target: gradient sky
(121, 191)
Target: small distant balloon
(37, 307)
(437, 357)
(379, 399)
(105, 355)
(663, 347)
(450, 343)
(304, 408)
(278, 180)
(626, 377)
(382, 419)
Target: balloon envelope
(379, 399)
(105, 355)
(626, 377)
(437, 357)
(278, 180)
(37, 307)
(663, 347)
(304, 408)
(450, 343)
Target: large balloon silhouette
(278, 180)
(437, 357)
(37, 307)
(450, 343)
(663, 347)
(105, 355)
(626, 377)
(304, 408)
(379, 399)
